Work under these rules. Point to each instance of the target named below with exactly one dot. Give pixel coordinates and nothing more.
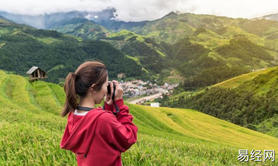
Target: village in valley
(139, 92)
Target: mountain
(22, 47)
(31, 128)
(145, 51)
(82, 28)
(34, 21)
(175, 26)
(207, 49)
(200, 49)
(248, 100)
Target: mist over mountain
(105, 18)
(46, 21)
(273, 17)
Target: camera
(109, 90)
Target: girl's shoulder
(107, 117)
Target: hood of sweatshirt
(80, 131)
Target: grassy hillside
(145, 51)
(218, 48)
(31, 130)
(249, 100)
(22, 47)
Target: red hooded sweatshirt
(99, 137)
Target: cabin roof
(32, 69)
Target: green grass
(48, 40)
(46, 97)
(31, 129)
(236, 81)
(260, 84)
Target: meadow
(31, 129)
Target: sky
(138, 10)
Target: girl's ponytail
(77, 83)
(71, 97)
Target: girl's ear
(92, 87)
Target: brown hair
(78, 83)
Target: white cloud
(135, 10)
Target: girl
(97, 136)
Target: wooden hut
(121, 75)
(35, 73)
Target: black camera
(109, 90)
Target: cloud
(137, 10)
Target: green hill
(176, 26)
(22, 47)
(31, 129)
(82, 28)
(207, 49)
(145, 51)
(248, 100)
(200, 49)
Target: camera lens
(108, 89)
